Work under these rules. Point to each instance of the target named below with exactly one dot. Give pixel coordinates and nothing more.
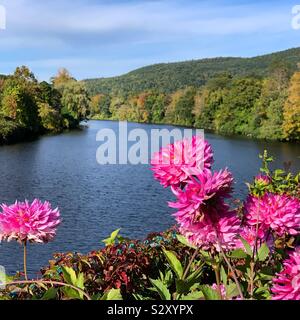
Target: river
(96, 199)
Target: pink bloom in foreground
(24, 221)
(281, 213)
(252, 236)
(217, 227)
(286, 284)
(174, 164)
(222, 289)
(203, 217)
(200, 195)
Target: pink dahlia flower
(286, 284)
(24, 221)
(202, 215)
(174, 164)
(200, 195)
(216, 227)
(281, 213)
(252, 236)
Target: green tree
(291, 123)
(207, 103)
(75, 100)
(184, 107)
(51, 119)
(234, 116)
(19, 99)
(63, 76)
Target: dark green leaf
(162, 289)
(175, 264)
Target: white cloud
(62, 19)
(82, 34)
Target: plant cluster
(216, 251)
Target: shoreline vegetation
(29, 108)
(251, 103)
(267, 109)
(254, 97)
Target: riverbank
(13, 134)
(100, 117)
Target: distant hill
(169, 77)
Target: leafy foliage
(29, 108)
(227, 103)
(170, 77)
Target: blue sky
(100, 38)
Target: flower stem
(233, 273)
(218, 280)
(58, 283)
(252, 275)
(190, 264)
(25, 259)
(186, 271)
(254, 254)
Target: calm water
(95, 199)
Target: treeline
(267, 108)
(170, 77)
(259, 107)
(29, 108)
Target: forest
(29, 108)
(258, 107)
(170, 77)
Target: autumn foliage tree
(291, 123)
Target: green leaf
(69, 275)
(185, 241)
(50, 294)
(194, 277)
(71, 293)
(266, 273)
(223, 275)
(80, 284)
(232, 290)
(206, 257)
(113, 294)
(174, 263)
(80, 281)
(162, 289)
(247, 246)
(210, 294)
(196, 295)
(111, 240)
(140, 297)
(238, 254)
(263, 252)
(97, 296)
